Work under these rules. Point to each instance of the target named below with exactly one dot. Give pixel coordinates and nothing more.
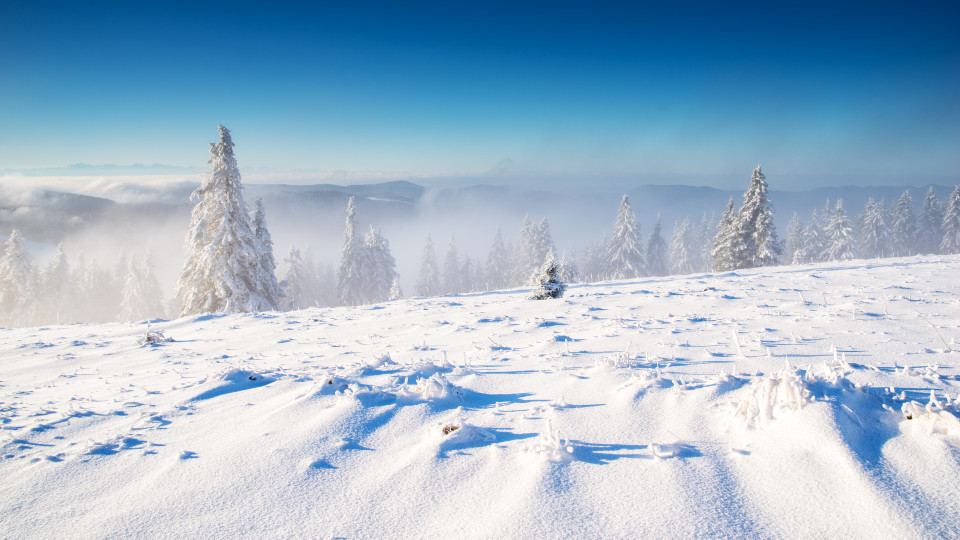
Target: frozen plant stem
(935, 331)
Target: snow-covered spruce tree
(351, 281)
(794, 238)
(452, 273)
(19, 296)
(395, 292)
(839, 234)
(498, 264)
(525, 260)
(294, 282)
(950, 244)
(226, 269)
(547, 281)
(569, 273)
(428, 279)
(595, 265)
(142, 296)
(903, 227)
(99, 294)
(57, 291)
(382, 266)
(756, 243)
(930, 224)
(624, 254)
(704, 261)
(468, 275)
(724, 245)
(544, 241)
(682, 250)
(813, 242)
(657, 263)
(873, 229)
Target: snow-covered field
(813, 401)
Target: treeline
(229, 264)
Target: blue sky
(693, 92)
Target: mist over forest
(153, 213)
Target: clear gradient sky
(851, 93)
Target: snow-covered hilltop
(799, 401)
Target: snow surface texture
(812, 401)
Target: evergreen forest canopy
(230, 263)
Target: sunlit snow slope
(813, 401)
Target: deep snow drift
(814, 401)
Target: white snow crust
(804, 401)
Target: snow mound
(233, 380)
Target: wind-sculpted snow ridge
(802, 401)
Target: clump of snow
(154, 337)
(550, 447)
(769, 398)
(935, 416)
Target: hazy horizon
(698, 94)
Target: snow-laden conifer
(930, 224)
(142, 297)
(351, 281)
(683, 249)
(295, 282)
(814, 242)
(840, 240)
(569, 272)
(624, 254)
(951, 224)
(57, 291)
(595, 265)
(225, 268)
(498, 264)
(525, 260)
(903, 227)
(19, 295)
(657, 263)
(428, 278)
(873, 229)
(705, 234)
(452, 273)
(724, 244)
(547, 281)
(794, 240)
(756, 243)
(381, 273)
(544, 241)
(396, 292)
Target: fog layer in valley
(104, 220)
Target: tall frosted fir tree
(873, 229)
(19, 295)
(382, 271)
(951, 224)
(723, 244)
(525, 261)
(452, 271)
(839, 236)
(757, 243)
(657, 264)
(350, 276)
(624, 255)
(428, 280)
(498, 267)
(903, 227)
(929, 224)
(227, 268)
(682, 250)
